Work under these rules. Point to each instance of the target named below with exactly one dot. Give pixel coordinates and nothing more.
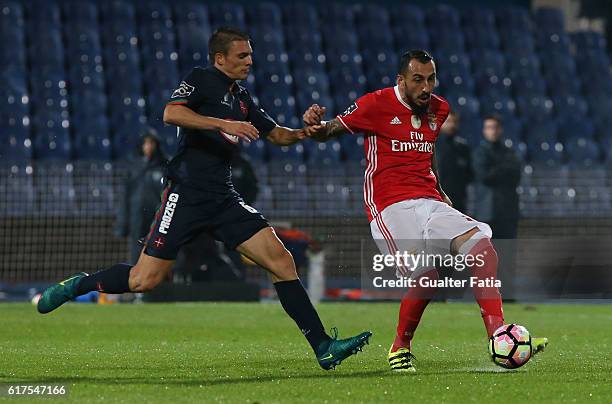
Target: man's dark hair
(221, 40)
(495, 117)
(418, 54)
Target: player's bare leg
(266, 250)
(119, 278)
(488, 297)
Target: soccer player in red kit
(406, 206)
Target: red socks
(488, 297)
(412, 307)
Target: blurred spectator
(142, 193)
(454, 162)
(497, 171)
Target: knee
(283, 266)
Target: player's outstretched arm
(185, 117)
(282, 136)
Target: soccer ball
(510, 346)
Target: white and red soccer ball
(510, 346)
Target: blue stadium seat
(375, 38)
(576, 126)
(536, 108)
(118, 10)
(264, 13)
(303, 39)
(591, 40)
(527, 84)
(289, 188)
(380, 69)
(501, 105)
(16, 182)
(582, 152)
(293, 153)
(516, 42)
(323, 153)
(93, 182)
(255, 150)
(307, 60)
(224, 14)
(444, 16)
(557, 42)
(467, 106)
(191, 13)
(545, 131)
(300, 14)
(407, 38)
(453, 63)
(281, 108)
(545, 153)
(330, 192)
(570, 105)
(493, 86)
(550, 19)
(337, 14)
(514, 18)
(352, 147)
(55, 191)
(15, 147)
(446, 40)
(477, 38)
(488, 63)
(338, 40)
(89, 146)
(52, 145)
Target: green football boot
(58, 294)
(538, 344)
(333, 352)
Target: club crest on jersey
(432, 121)
(243, 108)
(415, 121)
(184, 90)
(350, 109)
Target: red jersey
(398, 147)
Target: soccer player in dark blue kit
(213, 113)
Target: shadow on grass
(193, 382)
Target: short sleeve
(190, 91)
(259, 117)
(356, 118)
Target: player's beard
(419, 109)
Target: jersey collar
(399, 97)
(231, 83)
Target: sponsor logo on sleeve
(184, 90)
(350, 109)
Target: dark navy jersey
(204, 156)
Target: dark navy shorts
(185, 212)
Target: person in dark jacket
(497, 170)
(454, 162)
(142, 195)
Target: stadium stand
(81, 79)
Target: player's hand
(244, 130)
(314, 114)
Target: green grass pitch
(254, 353)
